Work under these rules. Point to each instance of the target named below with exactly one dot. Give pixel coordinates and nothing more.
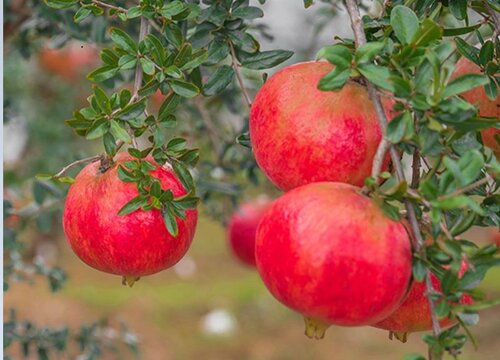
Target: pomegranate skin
(331, 254)
(243, 227)
(70, 62)
(301, 134)
(414, 314)
(133, 245)
(477, 96)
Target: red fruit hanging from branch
(487, 107)
(301, 134)
(132, 245)
(243, 227)
(331, 254)
(414, 314)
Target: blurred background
(209, 306)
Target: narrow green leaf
(119, 132)
(265, 59)
(133, 205)
(123, 40)
(219, 80)
(183, 88)
(464, 83)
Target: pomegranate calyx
(315, 329)
(129, 280)
(401, 336)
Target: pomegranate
(330, 253)
(242, 228)
(487, 107)
(301, 134)
(132, 245)
(414, 314)
(69, 62)
(495, 236)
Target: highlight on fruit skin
(133, 245)
(414, 313)
(292, 122)
(329, 253)
(487, 107)
(242, 228)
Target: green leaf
(464, 83)
(468, 51)
(460, 30)
(183, 174)
(176, 144)
(367, 52)
(123, 40)
(173, 8)
(99, 128)
(419, 270)
(336, 54)
(103, 73)
(60, 4)
(248, 12)
(134, 12)
(428, 32)
(133, 205)
(265, 59)
(487, 52)
(405, 23)
(127, 61)
(102, 100)
(118, 132)
(183, 88)
(170, 222)
(458, 8)
(82, 14)
(308, 3)
(378, 75)
(219, 80)
(147, 66)
(125, 175)
(335, 79)
(132, 111)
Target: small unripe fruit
(330, 253)
(132, 245)
(300, 134)
(242, 228)
(487, 107)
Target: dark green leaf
(183, 88)
(404, 23)
(133, 205)
(219, 80)
(464, 83)
(265, 59)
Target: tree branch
(74, 163)
(466, 189)
(144, 31)
(360, 38)
(236, 67)
(109, 6)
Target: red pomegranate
(477, 96)
(242, 228)
(495, 236)
(330, 253)
(300, 134)
(132, 245)
(414, 314)
(70, 62)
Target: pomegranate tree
(242, 228)
(328, 252)
(301, 134)
(132, 245)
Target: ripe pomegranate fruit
(330, 253)
(301, 134)
(414, 314)
(495, 236)
(242, 228)
(132, 245)
(69, 62)
(487, 107)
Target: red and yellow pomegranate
(329, 253)
(301, 134)
(487, 107)
(132, 245)
(243, 227)
(414, 314)
(70, 62)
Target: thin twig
(465, 189)
(415, 165)
(378, 160)
(213, 134)
(359, 34)
(144, 31)
(236, 67)
(109, 6)
(74, 163)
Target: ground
(167, 312)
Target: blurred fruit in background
(70, 62)
(243, 227)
